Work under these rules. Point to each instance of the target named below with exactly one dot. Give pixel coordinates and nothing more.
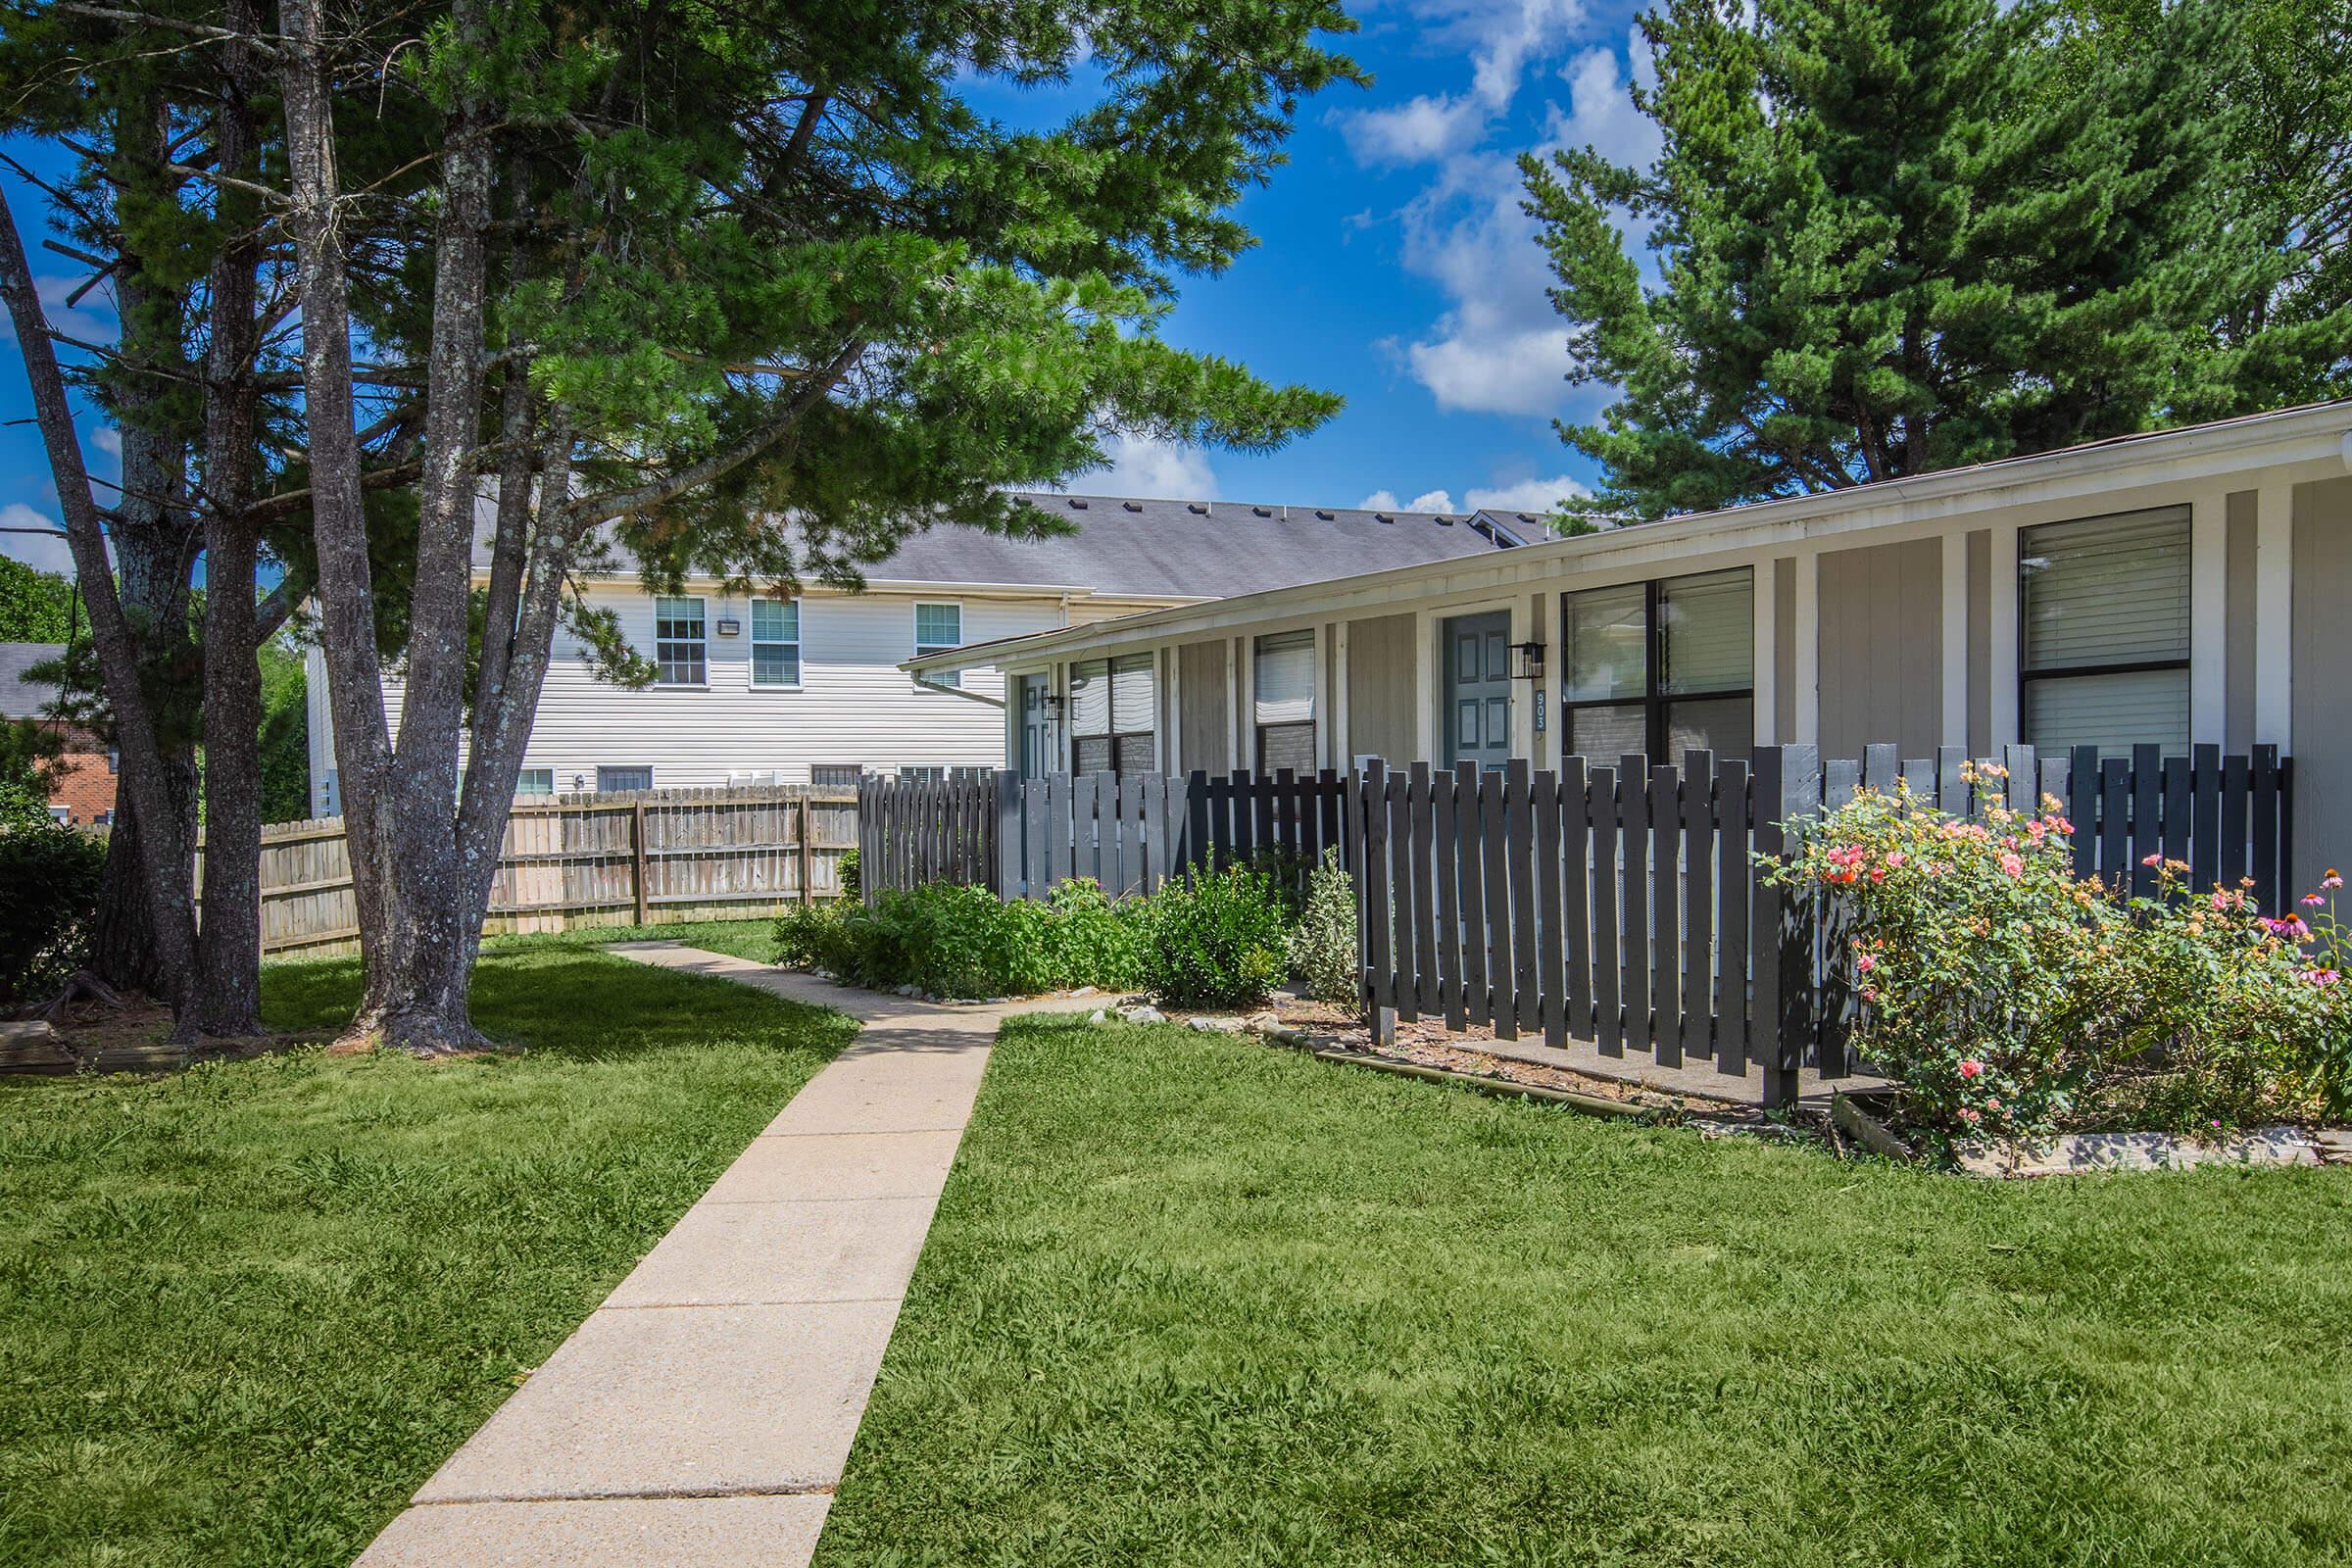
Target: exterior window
(608, 779)
(2103, 624)
(836, 775)
(678, 650)
(1111, 703)
(923, 775)
(535, 781)
(1284, 677)
(938, 628)
(776, 642)
(1660, 667)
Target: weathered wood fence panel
(912, 831)
(1618, 902)
(639, 856)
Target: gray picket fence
(1617, 903)
(1129, 833)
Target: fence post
(1011, 850)
(637, 853)
(808, 852)
(1787, 787)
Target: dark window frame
(1655, 702)
(1113, 738)
(2129, 666)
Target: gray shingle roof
(18, 696)
(1181, 549)
(1196, 548)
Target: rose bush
(2011, 998)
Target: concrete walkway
(703, 1414)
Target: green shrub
(956, 941)
(1216, 941)
(1323, 950)
(2013, 1000)
(52, 875)
(847, 869)
(1089, 941)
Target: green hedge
(52, 876)
(1215, 941)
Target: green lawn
(744, 939)
(246, 1309)
(1191, 1301)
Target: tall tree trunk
(164, 851)
(230, 940)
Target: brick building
(85, 791)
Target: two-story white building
(809, 689)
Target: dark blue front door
(1478, 689)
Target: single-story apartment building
(2177, 587)
(82, 787)
(809, 689)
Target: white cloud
(1526, 495)
(1377, 501)
(42, 552)
(91, 319)
(1500, 348)
(106, 438)
(1426, 501)
(1151, 469)
(1503, 39)
(1416, 132)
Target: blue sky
(1394, 267)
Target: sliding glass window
(1660, 667)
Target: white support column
(1244, 705)
(1171, 711)
(1524, 628)
(2002, 635)
(1808, 649)
(2208, 617)
(1765, 595)
(1954, 728)
(1341, 756)
(2274, 630)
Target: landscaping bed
(1188, 1299)
(245, 1309)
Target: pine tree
(1893, 236)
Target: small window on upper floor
(679, 657)
(535, 781)
(938, 628)
(836, 775)
(776, 642)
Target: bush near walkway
(246, 1309)
(1188, 1301)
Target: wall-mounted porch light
(1527, 662)
(1054, 706)
(729, 626)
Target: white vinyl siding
(681, 658)
(776, 643)
(937, 630)
(1283, 700)
(2103, 628)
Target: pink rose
(2152, 860)
(1967, 1114)
(1896, 859)
(2011, 865)
(1992, 1103)
(1972, 1068)
(1865, 963)
(1870, 993)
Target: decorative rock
(1097, 1016)
(2075, 1153)
(1143, 1012)
(1083, 990)
(907, 991)
(1262, 1023)
(1214, 1026)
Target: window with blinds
(1660, 667)
(1283, 700)
(775, 642)
(938, 628)
(2103, 631)
(1112, 707)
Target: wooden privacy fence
(638, 856)
(1130, 833)
(1618, 902)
